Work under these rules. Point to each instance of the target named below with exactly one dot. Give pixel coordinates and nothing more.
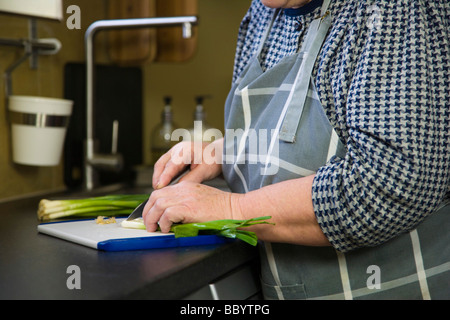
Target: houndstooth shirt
(382, 77)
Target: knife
(137, 213)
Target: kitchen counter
(35, 266)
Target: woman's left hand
(187, 202)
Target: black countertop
(35, 266)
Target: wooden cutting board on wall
(171, 46)
(132, 47)
(135, 47)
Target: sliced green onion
(137, 223)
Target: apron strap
(325, 5)
(311, 47)
(266, 33)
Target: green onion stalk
(117, 205)
(226, 228)
(111, 205)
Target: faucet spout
(186, 22)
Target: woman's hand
(187, 202)
(289, 203)
(204, 159)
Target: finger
(151, 220)
(173, 163)
(147, 207)
(194, 175)
(159, 167)
(171, 215)
(171, 172)
(149, 213)
(155, 207)
(164, 172)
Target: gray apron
(275, 130)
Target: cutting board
(171, 46)
(132, 47)
(113, 237)
(135, 47)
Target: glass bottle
(161, 140)
(200, 125)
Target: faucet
(94, 161)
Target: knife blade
(137, 213)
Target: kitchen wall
(208, 72)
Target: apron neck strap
(266, 32)
(324, 9)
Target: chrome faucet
(94, 161)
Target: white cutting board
(113, 237)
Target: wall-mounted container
(49, 9)
(38, 129)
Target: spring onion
(116, 205)
(111, 205)
(225, 228)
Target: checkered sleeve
(384, 83)
(250, 32)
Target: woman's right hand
(203, 159)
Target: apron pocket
(291, 292)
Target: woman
(349, 104)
